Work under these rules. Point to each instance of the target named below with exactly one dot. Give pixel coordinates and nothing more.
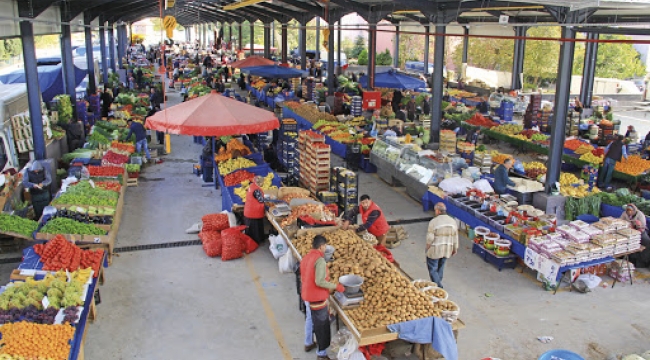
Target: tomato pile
(598, 151)
(115, 158)
(573, 144)
(123, 146)
(58, 254)
(105, 170)
(480, 120)
(237, 177)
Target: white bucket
(502, 247)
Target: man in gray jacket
(442, 242)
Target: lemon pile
(268, 185)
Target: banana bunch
(568, 179)
(591, 158)
(578, 192)
(584, 149)
(534, 165)
(268, 185)
(169, 23)
(82, 275)
(226, 167)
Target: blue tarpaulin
(274, 71)
(50, 79)
(393, 80)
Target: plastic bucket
(562, 354)
(480, 232)
(470, 234)
(490, 240)
(502, 247)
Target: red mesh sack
(212, 243)
(215, 222)
(232, 244)
(249, 244)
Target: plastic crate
(327, 197)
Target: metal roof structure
(188, 12)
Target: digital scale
(281, 209)
(348, 301)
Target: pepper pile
(105, 170)
(123, 146)
(115, 158)
(60, 254)
(69, 226)
(18, 225)
(480, 120)
(237, 177)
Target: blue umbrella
(393, 80)
(274, 71)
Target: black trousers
(255, 229)
(321, 321)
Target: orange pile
(634, 165)
(500, 158)
(36, 341)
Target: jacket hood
(37, 166)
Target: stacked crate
(448, 141)
(483, 160)
(22, 129)
(346, 185)
(288, 146)
(314, 161)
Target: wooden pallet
(132, 182)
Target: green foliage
(618, 61)
(541, 57)
(384, 58)
(411, 47)
(359, 47)
(363, 57)
(64, 108)
(491, 54)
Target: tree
(384, 58)
(363, 57)
(411, 47)
(491, 54)
(346, 47)
(618, 61)
(541, 57)
(359, 46)
(13, 47)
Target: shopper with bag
(442, 242)
(316, 288)
(254, 210)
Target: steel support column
(589, 70)
(330, 60)
(267, 40)
(92, 86)
(562, 95)
(396, 48)
(33, 90)
(102, 51)
(437, 83)
(518, 58)
(339, 69)
(426, 49)
(463, 67)
(231, 38)
(120, 45)
(303, 46)
(111, 46)
(252, 26)
(372, 54)
(317, 48)
(68, 64)
(273, 33)
(240, 37)
(284, 42)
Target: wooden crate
(132, 182)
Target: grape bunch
(30, 314)
(70, 315)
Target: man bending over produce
(38, 179)
(373, 219)
(138, 129)
(315, 291)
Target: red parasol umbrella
(213, 115)
(252, 61)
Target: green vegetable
(64, 108)
(132, 168)
(84, 194)
(69, 226)
(77, 154)
(16, 224)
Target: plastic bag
(590, 280)
(215, 222)
(194, 229)
(278, 246)
(249, 244)
(287, 263)
(232, 218)
(348, 350)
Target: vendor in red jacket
(254, 210)
(372, 217)
(316, 288)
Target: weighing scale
(347, 300)
(281, 209)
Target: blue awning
(50, 79)
(393, 80)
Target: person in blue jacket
(501, 178)
(137, 129)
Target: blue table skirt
(228, 197)
(429, 200)
(337, 147)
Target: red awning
(213, 115)
(252, 61)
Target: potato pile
(446, 305)
(424, 284)
(436, 292)
(389, 297)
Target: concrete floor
(176, 302)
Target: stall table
(366, 337)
